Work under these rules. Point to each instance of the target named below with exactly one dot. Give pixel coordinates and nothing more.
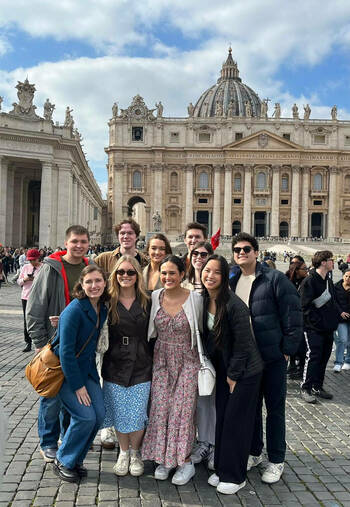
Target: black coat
(237, 343)
(128, 360)
(275, 312)
(342, 296)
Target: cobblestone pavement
(317, 470)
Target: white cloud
(5, 46)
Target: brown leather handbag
(44, 371)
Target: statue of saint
(160, 109)
(190, 109)
(230, 109)
(48, 110)
(115, 110)
(263, 109)
(1, 101)
(157, 221)
(307, 112)
(248, 109)
(277, 111)
(295, 112)
(68, 121)
(218, 108)
(334, 112)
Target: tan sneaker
(108, 438)
(136, 466)
(122, 465)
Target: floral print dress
(171, 429)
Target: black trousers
(318, 351)
(27, 338)
(235, 415)
(273, 390)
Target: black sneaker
(81, 470)
(321, 393)
(308, 396)
(64, 473)
(49, 455)
(27, 348)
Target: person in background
(25, 280)
(127, 364)
(194, 232)
(342, 335)
(81, 395)
(170, 432)
(157, 248)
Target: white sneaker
(161, 473)
(213, 480)
(229, 488)
(346, 366)
(337, 368)
(122, 465)
(200, 452)
(211, 457)
(272, 473)
(136, 466)
(183, 474)
(108, 438)
(254, 461)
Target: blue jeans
(53, 421)
(84, 423)
(342, 342)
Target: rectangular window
(238, 136)
(137, 133)
(317, 203)
(284, 201)
(95, 213)
(347, 141)
(204, 137)
(237, 201)
(174, 137)
(286, 136)
(203, 201)
(319, 139)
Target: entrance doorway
(260, 224)
(236, 227)
(284, 230)
(316, 225)
(202, 217)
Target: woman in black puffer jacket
(229, 342)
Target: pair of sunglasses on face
(246, 249)
(203, 255)
(129, 272)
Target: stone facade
(230, 165)
(45, 181)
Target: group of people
(144, 313)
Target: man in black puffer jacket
(277, 323)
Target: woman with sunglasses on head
(157, 248)
(127, 364)
(77, 334)
(229, 342)
(198, 258)
(171, 431)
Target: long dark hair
(294, 267)
(209, 249)
(222, 297)
(78, 291)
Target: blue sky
(89, 54)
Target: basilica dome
(229, 97)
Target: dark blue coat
(275, 312)
(76, 322)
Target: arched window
(317, 182)
(136, 180)
(347, 183)
(173, 181)
(203, 181)
(261, 181)
(237, 186)
(285, 183)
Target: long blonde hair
(114, 287)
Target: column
(216, 198)
(188, 216)
(9, 206)
(63, 213)
(305, 202)
(275, 201)
(157, 170)
(294, 209)
(45, 205)
(3, 198)
(118, 193)
(228, 201)
(247, 199)
(332, 202)
(18, 210)
(78, 202)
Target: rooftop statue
(68, 121)
(277, 111)
(48, 110)
(1, 100)
(115, 110)
(160, 109)
(334, 112)
(307, 112)
(263, 109)
(295, 112)
(248, 109)
(25, 107)
(190, 109)
(218, 108)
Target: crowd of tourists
(146, 313)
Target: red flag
(215, 239)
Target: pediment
(263, 140)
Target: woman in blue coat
(81, 393)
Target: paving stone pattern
(317, 469)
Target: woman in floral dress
(171, 430)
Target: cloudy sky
(88, 54)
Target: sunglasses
(129, 272)
(246, 249)
(199, 254)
